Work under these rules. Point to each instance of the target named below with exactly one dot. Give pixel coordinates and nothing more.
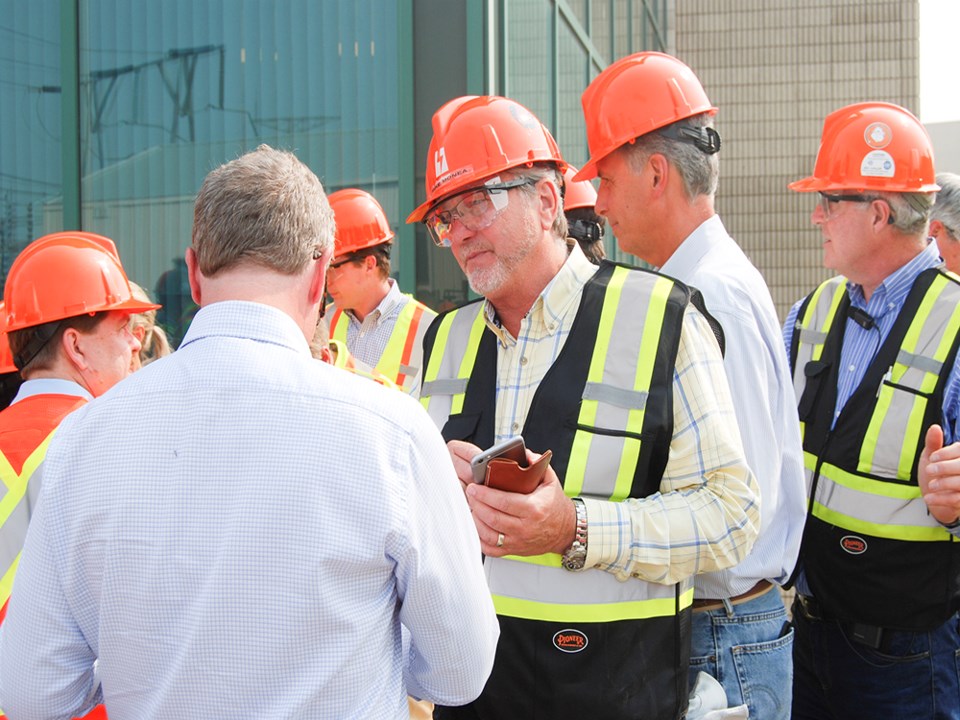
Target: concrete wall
(775, 69)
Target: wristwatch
(576, 555)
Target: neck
(372, 299)
(679, 225)
(514, 299)
(901, 250)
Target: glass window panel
(30, 125)
(171, 90)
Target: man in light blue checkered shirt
(240, 530)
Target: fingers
(461, 453)
(933, 441)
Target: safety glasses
(477, 209)
(828, 201)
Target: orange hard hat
(577, 193)
(361, 222)
(872, 146)
(476, 137)
(6, 356)
(67, 274)
(634, 96)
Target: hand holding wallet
(506, 474)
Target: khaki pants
(420, 709)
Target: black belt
(869, 635)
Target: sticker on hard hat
(451, 176)
(524, 117)
(878, 163)
(877, 135)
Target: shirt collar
(698, 244)
(51, 386)
(390, 301)
(892, 292)
(247, 320)
(554, 301)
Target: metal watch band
(576, 555)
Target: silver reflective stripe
(446, 386)
(13, 533)
(811, 336)
(629, 399)
(925, 364)
(896, 425)
(874, 508)
(617, 395)
(517, 579)
(409, 370)
(812, 330)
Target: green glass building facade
(115, 110)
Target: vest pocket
(894, 433)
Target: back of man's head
(946, 209)
(266, 208)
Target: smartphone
(512, 448)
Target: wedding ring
(499, 539)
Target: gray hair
(267, 208)
(946, 209)
(546, 171)
(911, 211)
(699, 170)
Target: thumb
(933, 440)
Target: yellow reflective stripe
(838, 293)
(436, 357)
(554, 560)
(17, 484)
(911, 436)
(890, 532)
(869, 485)
(649, 344)
(469, 360)
(591, 612)
(6, 582)
(580, 449)
(389, 362)
(340, 324)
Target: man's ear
(194, 275)
(935, 228)
(318, 277)
(882, 214)
(72, 346)
(659, 174)
(549, 197)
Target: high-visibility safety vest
(871, 552)
(344, 360)
(26, 428)
(398, 361)
(579, 644)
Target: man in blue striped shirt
(874, 355)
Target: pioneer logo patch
(853, 544)
(569, 641)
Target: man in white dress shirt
(240, 530)
(653, 146)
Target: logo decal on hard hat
(440, 162)
(523, 117)
(877, 135)
(878, 163)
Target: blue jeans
(747, 648)
(912, 675)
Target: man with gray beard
(619, 374)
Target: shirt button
(552, 327)
(523, 360)
(852, 368)
(515, 427)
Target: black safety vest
(871, 552)
(579, 644)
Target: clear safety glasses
(477, 209)
(828, 201)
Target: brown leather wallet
(506, 474)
